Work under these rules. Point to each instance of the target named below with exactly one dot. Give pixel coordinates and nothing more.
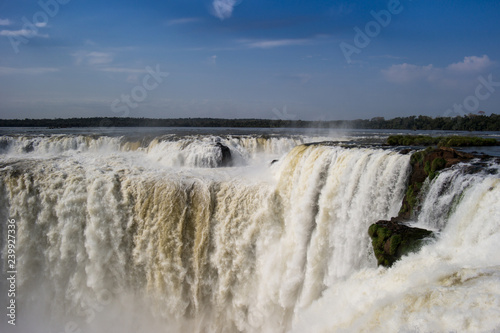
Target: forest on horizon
(460, 123)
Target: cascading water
(451, 285)
(121, 235)
(168, 150)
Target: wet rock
(391, 240)
(427, 163)
(226, 159)
(29, 148)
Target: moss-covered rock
(427, 163)
(391, 240)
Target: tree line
(465, 123)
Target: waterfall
(451, 284)
(124, 236)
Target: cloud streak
(22, 33)
(272, 43)
(5, 22)
(184, 20)
(93, 58)
(27, 71)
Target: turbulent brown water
(120, 234)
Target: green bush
(449, 141)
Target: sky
(309, 60)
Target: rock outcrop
(427, 163)
(226, 159)
(393, 239)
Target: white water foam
(117, 242)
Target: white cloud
(27, 71)
(223, 9)
(22, 33)
(93, 58)
(16, 33)
(27, 33)
(99, 58)
(449, 75)
(272, 43)
(471, 64)
(185, 20)
(408, 72)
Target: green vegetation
(411, 140)
(395, 242)
(391, 241)
(418, 157)
(437, 164)
(425, 163)
(466, 123)
(440, 141)
(410, 199)
(465, 141)
(379, 236)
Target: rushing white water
(168, 150)
(451, 285)
(128, 236)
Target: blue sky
(313, 60)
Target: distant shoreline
(465, 123)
